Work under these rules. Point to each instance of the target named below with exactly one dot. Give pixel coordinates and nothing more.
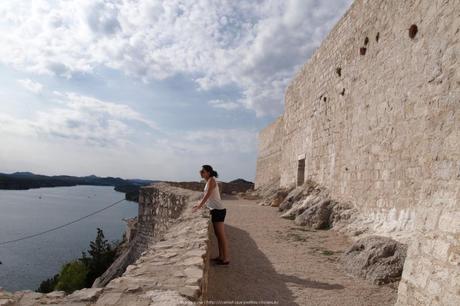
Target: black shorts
(218, 215)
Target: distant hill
(241, 181)
(28, 180)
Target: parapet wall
(375, 114)
(159, 206)
(167, 261)
(224, 187)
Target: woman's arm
(211, 186)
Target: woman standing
(218, 211)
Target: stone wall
(224, 187)
(375, 113)
(167, 263)
(269, 153)
(157, 210)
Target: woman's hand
(196, 207)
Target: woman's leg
(219, 241)
(219, 226)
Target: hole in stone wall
(413, 31)
(324, 99)
(342, 93)
(300, 171)
(339, 71)
(377, 36)
(346, 169)
(362, 51)
(366, 40)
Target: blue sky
(148, 89)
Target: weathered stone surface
(195, 253)
(279, 197)
(342, 213)
(193, 272)
(85, 295)
(7, 302)
(378, 259)
(193, 281)
(309, 205)
(272, 195)
(110, 298)
(159, 208)
(193, 261)
(268, 162)
(29, 298)
(166, 298)
(133, 289)
(294, 196)
(191, 292)
(56, 294)
(169, 255)
(298, 207)
(298, 194)
(316, 216)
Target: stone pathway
(273, 261)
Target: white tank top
(214, 200)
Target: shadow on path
(250, 276)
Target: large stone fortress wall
(269, 153)
(375, 115)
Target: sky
(149, 89)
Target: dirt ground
(275, 262)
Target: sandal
(221, 262)
(216, 259)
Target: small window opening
(301, 172)
(413, 31)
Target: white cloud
(227, 105)
(84, 119)
(12, 125)
(212, 141)
(89, 121)
(84, 135)
(255, 45)
(30, 85)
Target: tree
(72, 276)
(82, 272)
(102, 255)
(49, 284)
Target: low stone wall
(171, 269)
(228, 188)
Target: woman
(218, 212)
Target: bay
(24, 212)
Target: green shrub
(49, 284)
(72, 276)
(82, 272)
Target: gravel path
(275, 262)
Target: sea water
(25, 212)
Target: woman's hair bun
(210, 170)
